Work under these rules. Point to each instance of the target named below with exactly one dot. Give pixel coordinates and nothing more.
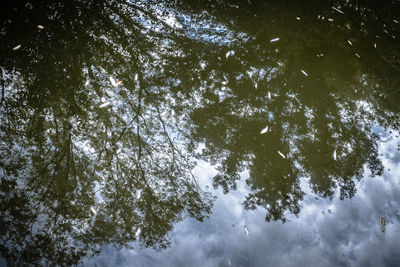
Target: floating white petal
(349, 42)
(93, 210)
(137, 234)
(163, 113)
(334, 154)
(106, 104)
(263, 131)
(230, 53)
(103, 100)
(17, 47)
(269, 95)
(40, 27)
(136, 77)
(305, 73)
(246, 230)
(280, 153)
(338, 10)
(113, 82)
(274, 40)
(87, 83)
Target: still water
(200, 133)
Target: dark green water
(200, 133)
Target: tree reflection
(64, 153)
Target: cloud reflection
(326, 233)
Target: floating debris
(136, 77)
(17, 47)
(349, 42)
(338, 10)
(334, 154)
(40, 27)
(72, 121)
(224, 83)
(374, 45)
(305, 73)
(28, 5)
(113, 82)
(385, 31)
(106, 104)
(137, 234)
(246, 230)
(357, 55)
(230, 53)
(274, 40)
(329, 19)
(269, 95)
(87, 83)
(383, 224)
(103, 100)
(163, 113)
(280, 153)
(93, 211)
(263, 131)
(395, 21)
(298, 18)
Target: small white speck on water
(137, 234)
(163, 113)
(113, 82)
(329, 19)
(298, 18)
(305, 73)
(87, 83)
(357, 55)
(103, 100)
(269, 95)
(263, 131)
(374, 45)
(338, 10)
(349, 42)
(93, 210)
(230, 53)
(106, 104)
(281, 154)
(17, 47)
(136, 77)
(40, 27)
(334, 155)
(274, 40)
(246, 230)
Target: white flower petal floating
(93, 210)
(113, 82)
(230, 53)
(17, 47)
(106, 104)
(274, 40)
(137, 234)
(40, 27)
(338, 10)
(87, 83)
(305, 73)
(280, 153)
(263, 131)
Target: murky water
(195, 133)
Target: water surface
(195, 133)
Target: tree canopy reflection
(192, 74)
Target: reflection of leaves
(132, 164)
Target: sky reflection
(326, 233)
